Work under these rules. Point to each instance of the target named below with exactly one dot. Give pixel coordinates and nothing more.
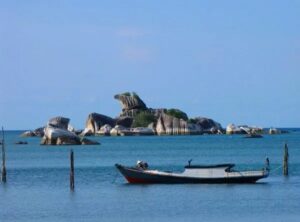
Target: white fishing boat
(220, 173)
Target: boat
(220, 173)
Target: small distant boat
(21, 143)
(249, 136)
(221, 173)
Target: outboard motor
(142, 165)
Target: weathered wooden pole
(286, 161)
(3, 169)
(72, 185)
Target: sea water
(37, 187)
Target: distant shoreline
(280, 128)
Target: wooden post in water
(72, 185)
(286, 161)
(3, 169)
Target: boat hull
(141, 177)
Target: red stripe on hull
(136, 180)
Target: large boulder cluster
(58, 131)
(136, 119)
(39, 132)
(243, 129)
(95, 121)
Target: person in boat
(142, 165)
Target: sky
(232, 61)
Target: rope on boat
(115, 178)
(277, 168)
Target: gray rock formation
(105, 130)
(143, 131)
(170, 125)
(194, 129)
(252, 129)
(274, 131)
(59, 122)
(28, 134)
(57, 136)
(233, 129)
(244, 129)
(125, 121)
(119, 130)
(149, 121)
(31, 133)
(39, 131)
(208, 125)
(131, 104)
(86, 132)
(152, 126)
(71, 128)
(59, 132)
(95, 121)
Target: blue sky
(233, 61)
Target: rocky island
(135, 119)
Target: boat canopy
(226, 165)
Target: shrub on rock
(143, 119)
(177, 113)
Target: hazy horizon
(235, 62)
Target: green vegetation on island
(143, 119)
(177, 113)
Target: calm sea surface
(38, 180)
